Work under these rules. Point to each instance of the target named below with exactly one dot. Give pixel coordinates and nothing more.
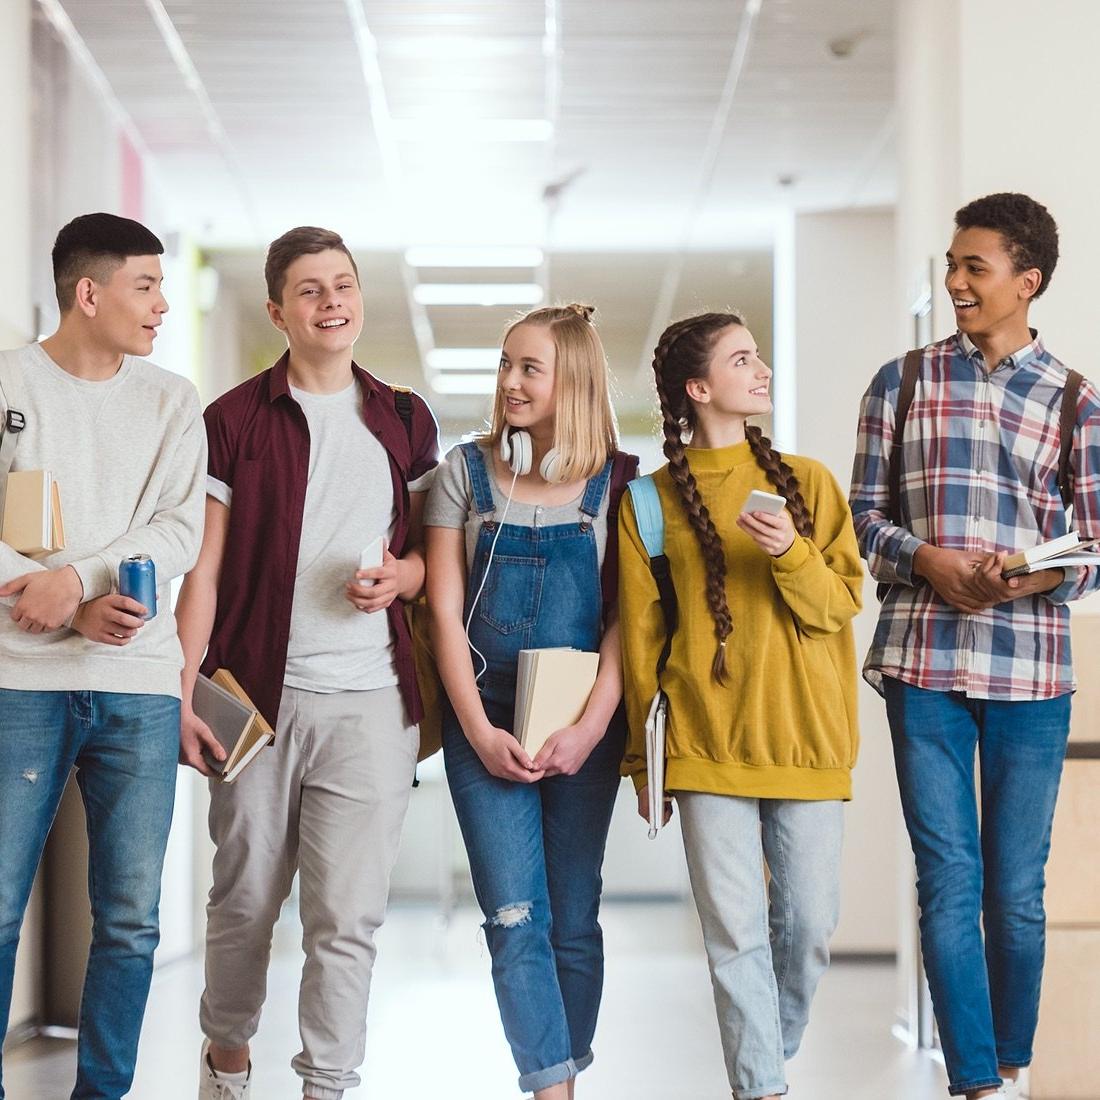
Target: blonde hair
(585, 432)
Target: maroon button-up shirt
(259, 447)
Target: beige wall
(845, 326)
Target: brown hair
(585, 432)
(303, 241)
(683, 353)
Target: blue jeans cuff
(966, 1086)
(757, 1093)
(554, 1075)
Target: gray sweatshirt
(129, 455)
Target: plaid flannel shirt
(979, 473)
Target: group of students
(523, 537)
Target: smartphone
(370, 558)
(759, 501)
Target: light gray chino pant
(327, 799)
(767, 945)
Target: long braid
(783, 478)
(674, 421)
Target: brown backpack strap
(1066, 426)
(909, 374)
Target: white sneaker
(221, 1086)
(1013, 1090)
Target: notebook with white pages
(655, 760)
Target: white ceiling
(263, 114)
(670, 134)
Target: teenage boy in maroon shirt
(309, 462)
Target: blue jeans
(766, 947)
(535, 856)
(969, 873)
(125, 749)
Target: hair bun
(583, 311)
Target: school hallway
(434, 1030)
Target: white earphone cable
(485, 575)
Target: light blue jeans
(125, 749)
(767, 947)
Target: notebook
(233, 719)
(32, 521)
(1064, 551)
(552, 690)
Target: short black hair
(1029, 232)
(95, 245)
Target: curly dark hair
(1030, 233)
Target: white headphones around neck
(517, 450)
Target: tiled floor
(434, 1029)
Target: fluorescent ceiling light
(473, 257)
(478, 294)
(464, 383)
(468, 359)
(442, 129)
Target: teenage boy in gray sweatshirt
(84, 679)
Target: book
(1065, 551)
(655, 761)
(241, 730)
(552, 690)
(32, 521)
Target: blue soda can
(137, 578)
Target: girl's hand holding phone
(773, 534)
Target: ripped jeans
(535, 856)
(124, 748)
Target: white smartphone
(370, 558)
(759, 501)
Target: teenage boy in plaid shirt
(964, 658)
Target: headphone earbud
(517, 450)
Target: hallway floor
(434, 1029)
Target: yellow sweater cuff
(794, 557)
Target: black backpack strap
(909, 374)
(403, 403)
(624, 468)
(1066, 426)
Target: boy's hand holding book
(195, 738)
(992, 586)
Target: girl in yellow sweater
(761, 686)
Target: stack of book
(32, 522)
(233, 719)
(552, 690)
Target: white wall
(845, 309)
(15, 329)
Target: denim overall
(536, 849)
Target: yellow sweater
(784, 725)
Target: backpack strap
(909, 373)
(624, 468)
(15, 420)
(1066, 426)
(651, 529)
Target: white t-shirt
(349, 502)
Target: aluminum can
(137, 578)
